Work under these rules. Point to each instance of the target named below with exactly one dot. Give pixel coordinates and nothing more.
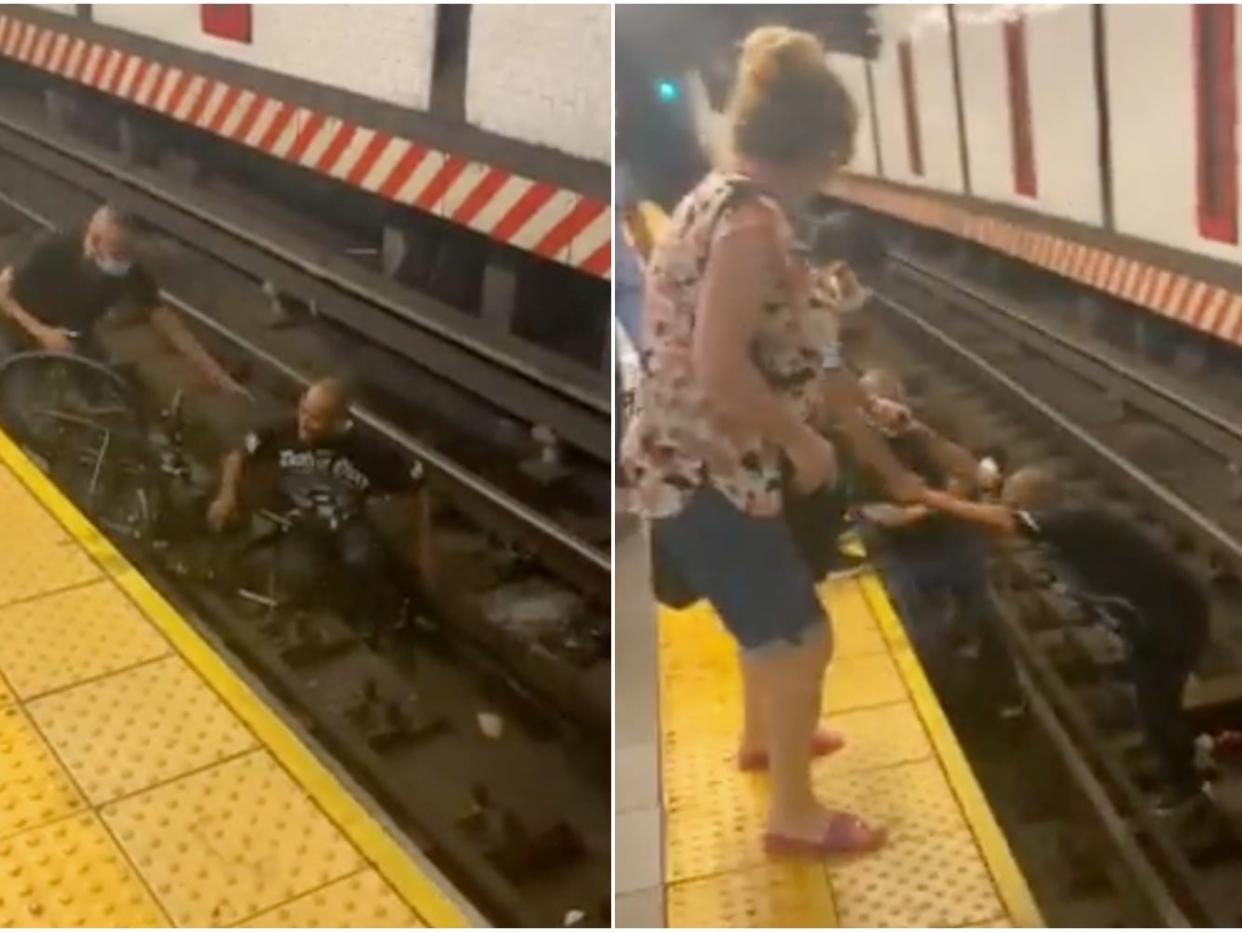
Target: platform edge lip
(350, 816)
(1010, 883)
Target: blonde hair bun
(788, 105)
(775, 56)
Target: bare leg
(789, 679)
(753, 748)
(755, 710)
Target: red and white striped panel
(540, 218)
(1166, 291)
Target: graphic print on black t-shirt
(350, 461)
(62, 287)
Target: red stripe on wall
(1216, 116)
(401, 172)
(178, 92)
(577, 220)
(284, 114)
(909, 99)
(310, 129)
(1019, 106)
(338, 144)
(227, 103)
(477, 199)
(118, 73)
(205, 90)
(246, 123)
(453, 166)
(370, 155)
(526, 206)
(162, 77)
(81, 53)
(101, 60)
(140, 75)
(600, 261)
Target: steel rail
(1155, 398)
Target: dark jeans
(1159, 674)
(958, 572)
(353, 559)
(747, 566)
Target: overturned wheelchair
(128, 469)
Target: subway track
(993, 374)
(482, 728)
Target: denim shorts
(748, 568)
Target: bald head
(323, 409)
(1031, 487)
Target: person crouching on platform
(1122, 579)
(321, 454)
(928, 557)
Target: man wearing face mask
(54, 298)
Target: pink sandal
(823, 743)
(844, 834)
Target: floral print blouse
(676, 440)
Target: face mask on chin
(113, 268)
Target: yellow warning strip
(376, 844)
(1006, 875)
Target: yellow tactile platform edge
(370, 838)
(1006, 874)
(714, 869)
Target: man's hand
(221, 511)
(892, 415)
(54, 339)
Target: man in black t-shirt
(325, 470)
(54, 298)
(1125, 580)
(928, 557)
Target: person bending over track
(325, 470)
(928, 557)
(1123, 579)
(54, 298)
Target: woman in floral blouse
(734, 362)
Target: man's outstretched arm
(178, 335)
(996, 518)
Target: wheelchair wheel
(82, 422)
